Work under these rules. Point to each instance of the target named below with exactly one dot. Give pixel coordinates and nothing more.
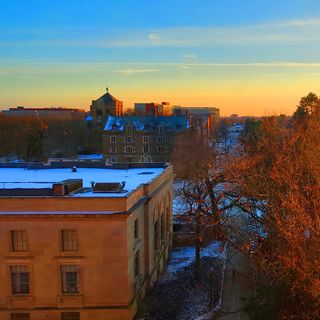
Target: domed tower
(103, 107)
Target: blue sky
(246, 57)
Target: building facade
(46, 113)
(87, 247)
(135, 139)
(104, 106)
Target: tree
(204, 188)
(283, 180)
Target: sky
(250, 57)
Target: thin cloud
(296, 32)
(131, 71)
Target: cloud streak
(272, 33)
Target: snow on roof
(23, 178)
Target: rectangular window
(145, 139)
(69, 240)
(128, 139)
(19, 241)
(136, 229)
(113, 139)
(19, 279)
(113, 159)
(136, 265)
(161, 139)
(155, 236)
(70, 316)
(113, 149)
(162, 227)
(20, 316)
(162, 149)
(129, 128)
(145, 149)
(128, 149)
(70, 279)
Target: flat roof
(14, 178)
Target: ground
(177, 296)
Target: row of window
(130, 139)
(63, 316)
(69, 240)
(20, 279)
(144, 158)
(145, 149)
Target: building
(130, 139)
(85, 243)
(54, 113)
(104, 106)
(152, 109)
(201, 118)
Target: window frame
(19, 240)
(64, 246)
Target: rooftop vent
(106, 187)
(65, 187)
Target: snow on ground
(183, 256)
(23, 178)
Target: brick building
(129, 139)
(82, 244)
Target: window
(162, 149)
(136, 265)
(128, 139)
(70, 316)
(70, 278)
(113, 149)
(20, 316)
(19, 279)
(145, 149)
(155, 236)
(161, 128)
(128, 149)
(145, 139)
(162, 227)
(161, 139)
(145, 158)
(129, 128)
(136, 229)
(113, 139)
(69, 240)
(19, 241)
(113, 159)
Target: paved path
(235, 286)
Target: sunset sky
(251, 57)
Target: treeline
(280, 173)
(264, 201)
(32, 139)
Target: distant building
(103, 107)
(152, 109)
(142, 138)
(201, 118)
(82, 244)
(46, 113)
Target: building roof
(142, 123)
(107, 98)
(23, 182)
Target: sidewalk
(235, 286)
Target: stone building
(104, 106)
(129, 139)
(84, 243)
